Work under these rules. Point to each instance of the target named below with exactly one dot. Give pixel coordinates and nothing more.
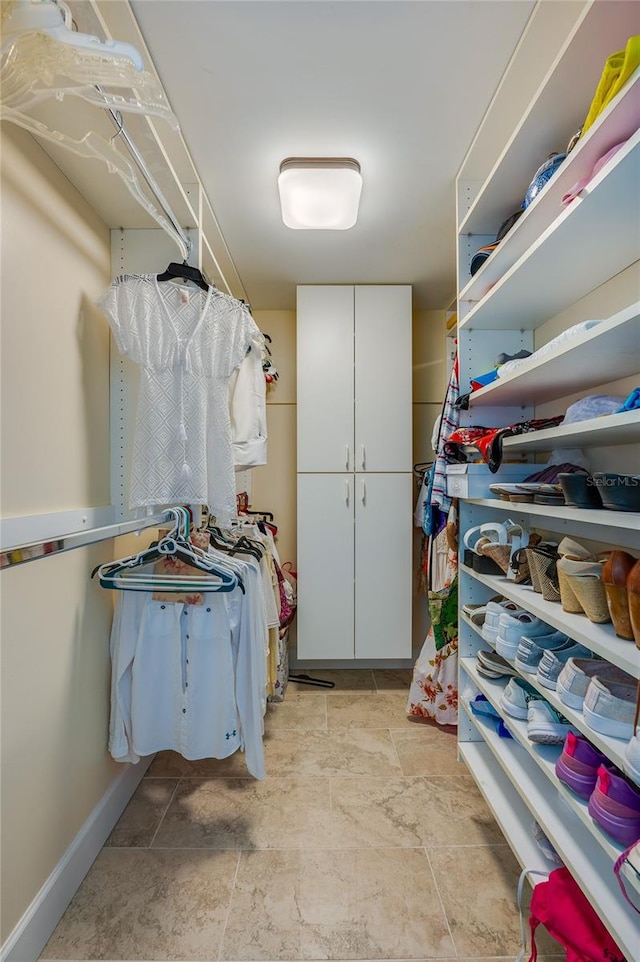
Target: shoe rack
(551, 271)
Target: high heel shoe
(614, 578)
(633, 595)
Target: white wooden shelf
(545, 755)
(607, 352)
(589, 865)
(508, 809)
(552, 118)
(596, 432)
(570, 255)
(616, 124)
(601, 639)
(618, 528)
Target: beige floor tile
(483, 917)
(380, 709)
(238, 813)
(410, 811)
(393, 679)
(375, 904)
(173, 765)
(136, 904)
(297, 711)
(138, 823)
(344, 679)
(424, 750)
(355, 751)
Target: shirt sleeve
(118, 305)
(123, 645)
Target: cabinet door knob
(363, 456)
(364, 493)
(346, 491)
(346, 456)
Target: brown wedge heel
(614, 578)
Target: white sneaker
(545, 725)
(511, 628)
(516, 698)
(492, 616)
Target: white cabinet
(354, 378)
(550, 263)
(383, 569)
(325, 614)
(354, 473)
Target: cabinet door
(325, 378)
(325, 566)
(383, 565)
(383, 378)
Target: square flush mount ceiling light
(319, 193)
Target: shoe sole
(514, 710)
(506, 649)
(607, 726)
(549, 683)
(546, 735)
(530, 669)
(568, 698)
(623, 830)
(489, 634)
(582, 785)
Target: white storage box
(473, 480)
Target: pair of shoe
(491, 665)
(605, 693)
(545, 725)
(513, 626)
(580, 581)
(621, 581)
(613, 801)
(545, 655)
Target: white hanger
(53, 17)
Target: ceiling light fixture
(319, 193)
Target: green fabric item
(443, 611)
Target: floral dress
(434, 689)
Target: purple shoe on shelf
(577, 765)
(615, 805)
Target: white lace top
(187, 342)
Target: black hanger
(186, 272)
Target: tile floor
(367, 840)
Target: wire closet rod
(123, 133)
(34, 550)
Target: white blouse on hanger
(188, 342)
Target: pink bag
(560, 905)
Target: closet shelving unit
(553, 257)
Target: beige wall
(55, 456)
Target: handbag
(561, 906)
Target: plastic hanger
(186, 272)
(122, 574)
(54, 19)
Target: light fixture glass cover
(319, 193)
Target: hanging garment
(438, 501)
(434, 688)
(188, 342)
(189, 678)
(248, 407)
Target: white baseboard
(38, 922)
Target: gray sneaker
(575, 678)
(553, 661)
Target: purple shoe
(578, 764)
(615, 805)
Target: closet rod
(20, 554)
(183, 240)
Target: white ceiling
(400, 86)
